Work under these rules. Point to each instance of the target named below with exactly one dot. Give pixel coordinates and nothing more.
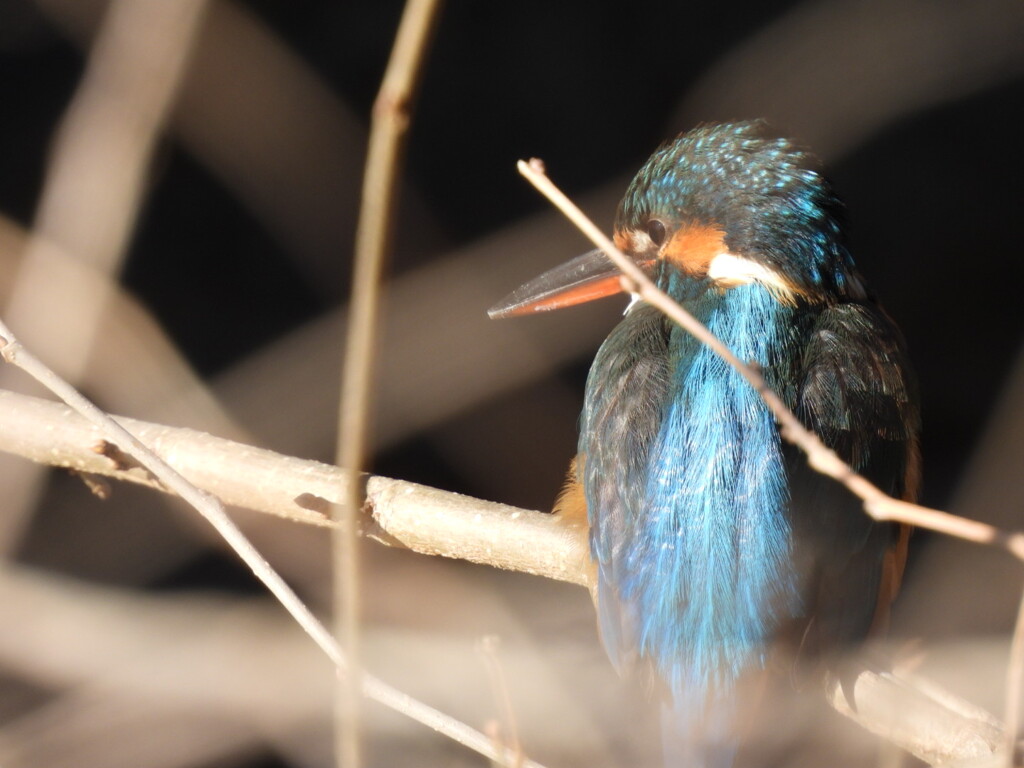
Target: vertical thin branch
(505, 731)
(391, 116)
(1014, 689)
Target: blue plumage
(714, 543)
(708, 533)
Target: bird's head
(720, 206)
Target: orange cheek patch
(693, 247)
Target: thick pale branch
(426, 520)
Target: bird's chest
(688, 495)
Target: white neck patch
(729, 270)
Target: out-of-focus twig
(96, 176)
(240, 661)
(93, 186)
(212, 510)
(160, 383)
(391, 116)
(72, 731)
(923, 719)
(506, 730)
(1014, 688)
(920, 54)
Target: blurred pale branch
(94, 184)
(933, 724)
(139, 657)
(261, 120)
(160, 382)
(887, 58)
(921, 717)
(96, 173)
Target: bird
(716, 548)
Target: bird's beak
(585, 278)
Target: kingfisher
(716, 549)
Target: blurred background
(192, 173)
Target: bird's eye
(656, 231)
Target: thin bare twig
(506, 730)
(877, 504)
(391, 114)
(212, 510)
(1014, 686)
